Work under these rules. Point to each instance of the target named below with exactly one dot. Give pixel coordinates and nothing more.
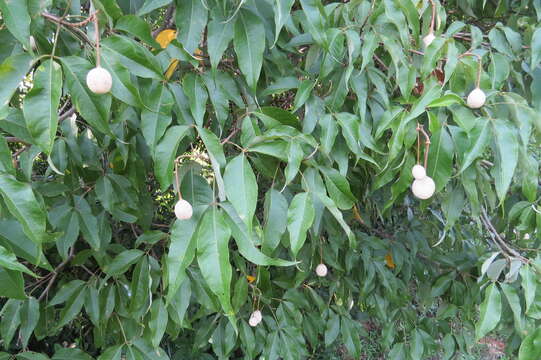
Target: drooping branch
(505, 249)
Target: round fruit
(427, 40)
(255, 318)
(476, 99)
(183, 210)
(99, 80)
(321, 270)
(418, 172)
(423, 188)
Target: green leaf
(303, 93)
(275, 222)
(123, 88)
(15, 16)
(338, 188)
(70, 354)
(13, 237)
(489, 312)
(536, 48)
(196, 93)
(219, 35)
(213, 236)
(241, 188)
(417, 347)
(432, 55)
(12, 284)
(9, 261)
(282, 9)
(165, 154)
(12, 72)
(513, 299)
(21, 203)
(72, 308)
(132, 55)
(295, 156)
(181, 252)
(93, 108)
(440, 158)
(158, 321)
(122, 262)
(447, 100)
(350, 337)
(140, 288)
(156, 119)
(244, 240)
(66, 292)
(30, 355)
(480, 136)
(529, 285)
(249, 44)
(138, 27)
(191, 19)
(332, 328)
(329, 131)
(30, 315)
(112, 353)
(300, 217)
(151, 5)
(315, 21)
(212, 143)
(11, 319)
(279, 116)
(92, 305)
(507, 148)
(41, 103)
(530, 349)
(337, 214)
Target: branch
(67, 25)
(498, 240)
(55, 273)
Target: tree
(289, 130)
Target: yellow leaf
(171, 68)
(250, 279)
(389, 260)
(165, 37)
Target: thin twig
(73, 29)
(55, 273)
(97, 40)
(61, 21)
(233, 133)
(67, 114)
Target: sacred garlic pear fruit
(99, 80)
(476, 99)
(183, 210)
(418, 172)
(255, 318)
(427, 40)
(321, 270)
(423, 188)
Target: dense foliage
(292, 128)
